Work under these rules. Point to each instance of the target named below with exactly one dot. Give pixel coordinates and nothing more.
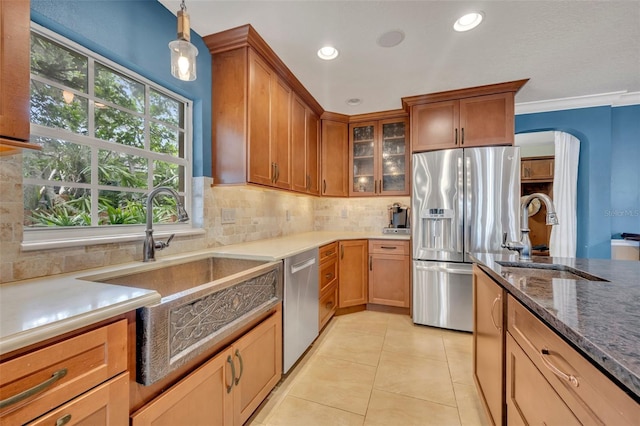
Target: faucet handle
(159, 245)
(504, 239)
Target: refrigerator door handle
(461, 205)
(467, 207)
(446, 269)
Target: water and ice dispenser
(437, 229)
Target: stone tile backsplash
(259, 213)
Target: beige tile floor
(373, 368)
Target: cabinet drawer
(328, 305)
(399, 247)
(328, 274)
(328, 252)
(106, 405)
(593, 397)
(523, 382)
(62, 371)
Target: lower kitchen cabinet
(227, 388)
(389, 273)
(81, 379)
(328, 283)
(352, 270)
(569, 381)
(547, 380)
(488, 344)
(530, 398)
(105, 405)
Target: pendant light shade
(183, 53)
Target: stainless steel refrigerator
(462, 202)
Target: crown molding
(613, 99)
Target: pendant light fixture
(183, 53)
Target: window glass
(108, 137)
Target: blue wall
(135, 34)
(608, 173)
(625, 170)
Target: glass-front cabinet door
(379, 158)
(363, 149)
(394, 167)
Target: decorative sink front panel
(203, 302)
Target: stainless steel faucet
(150, 245)
(523, 247)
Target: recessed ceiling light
(391, 38)
(354, 101)
(327, 53)
(468, 21)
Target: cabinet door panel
(487, 120)
(280, 127)
(352, 270)
(201, 398)
(335, 159)
(313, 152)
(389, 280)
(260, 93)
(488, 343)
(258, 364)
(530, 398)
(298, 146)
(434, 126)
(394, 157)
(14, 70)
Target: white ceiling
(567, 48)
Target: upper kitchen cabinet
(258, 129)
(478, 116)
(379, 157)
(14, 76)
(305, 148)
(335, 157)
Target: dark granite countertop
(600, 318)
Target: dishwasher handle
(302, 265)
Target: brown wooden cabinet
(269, 113)
(534, 169)
(305, 148)
(335, 158)
(488, 344)
(530, 398)
(256, 111)
(328, 279)
(478, 116)
(352, 269)
(14, 77)
(572, 388)
(389, 273)
(83, 376)
(379, 158)
(226, 389)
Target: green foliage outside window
(110, 142)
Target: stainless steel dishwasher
(300, 312)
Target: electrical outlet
(288, 215)
(343, 214)
(228, 216)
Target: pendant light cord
(183, 7)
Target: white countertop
(283, 247)
(38, 309)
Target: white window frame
(50, 237)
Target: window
(108, 137)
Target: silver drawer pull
(63, 420)
(555, 370)
(34, 390)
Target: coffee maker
(398, 220)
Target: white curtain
(565, 190)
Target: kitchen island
(596, 314)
